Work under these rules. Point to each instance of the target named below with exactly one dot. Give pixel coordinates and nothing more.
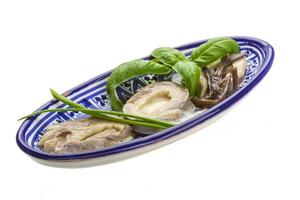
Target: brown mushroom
(221, 81)
(207, 103)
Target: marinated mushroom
(83, 135)
(160, 100)
(222, 80)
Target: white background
(253, 152)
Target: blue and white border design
(92, 94)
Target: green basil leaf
(190, 74)
(213, 50)
(130, 70)
(168, 56)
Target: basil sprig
(167, 56)
(190, 74)
(130, 70)
(214, 50)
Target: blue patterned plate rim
(170, 132)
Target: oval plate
(92, 94)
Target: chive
(165, 123)
(94, 113)
(65, 100)
(104, 114)
(62, 98)
(100, 116)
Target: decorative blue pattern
(92, 94)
